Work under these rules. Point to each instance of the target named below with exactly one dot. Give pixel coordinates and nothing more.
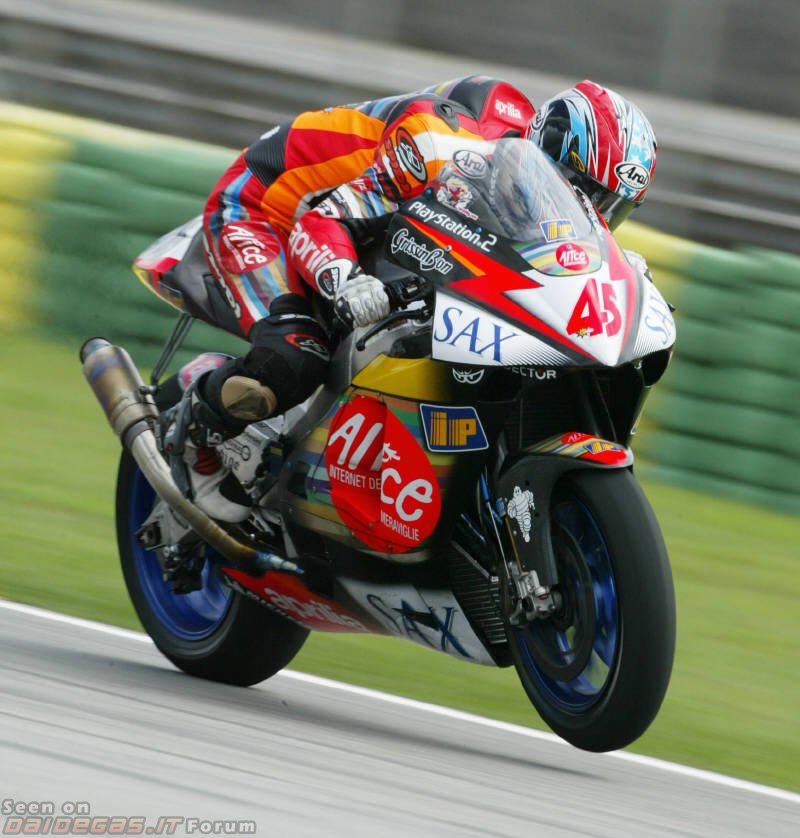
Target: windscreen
(516, 192)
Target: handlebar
(409, 289)
(402, 292)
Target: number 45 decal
(595, 312)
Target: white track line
(517, 730)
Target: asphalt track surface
(94, 715)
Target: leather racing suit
(282, 224)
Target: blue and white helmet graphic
(604, 143)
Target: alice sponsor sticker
(382, 484)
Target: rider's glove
(362, 300)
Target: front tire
(597, 670)
(212, 633)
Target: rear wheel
(597, 670)
(213, 632)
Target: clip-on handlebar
(401, 293)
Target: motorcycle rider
(282, 224)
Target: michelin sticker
(519, 507)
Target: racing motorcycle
(463, 479)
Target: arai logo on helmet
(633, 175)
(470, 163)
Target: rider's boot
(193, 433)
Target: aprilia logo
(507, 109)
(301, 246)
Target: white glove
(364, 298)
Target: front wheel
(213, 632)
(597, 670)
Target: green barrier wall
(726, 416)
(80, 199)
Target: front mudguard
(537, 471)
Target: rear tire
(212, 633)
(598, 669)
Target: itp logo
(452, 428)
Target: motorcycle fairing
(289, 596)
(656, 330)
(415, 378)
(175, 268)
(468, 335)
(161, 256)
(514, 240)
(381, 482)
(433, 481)
(432, 618)
(574, 318)
(363, 475)
(586, 447)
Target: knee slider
(290, 356)
(247, 399)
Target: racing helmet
(604, 144)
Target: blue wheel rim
(194, 616)
(589, 619)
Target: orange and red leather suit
(287, 214)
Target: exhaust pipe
(130, 409)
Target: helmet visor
(614, 208)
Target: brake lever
(421, 314)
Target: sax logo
(452, 428)
(519, 507)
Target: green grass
(731, 706)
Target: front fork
(521, 506)
(530, 599)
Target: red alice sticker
(572, 257)
(382, 485)
(245, 246)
